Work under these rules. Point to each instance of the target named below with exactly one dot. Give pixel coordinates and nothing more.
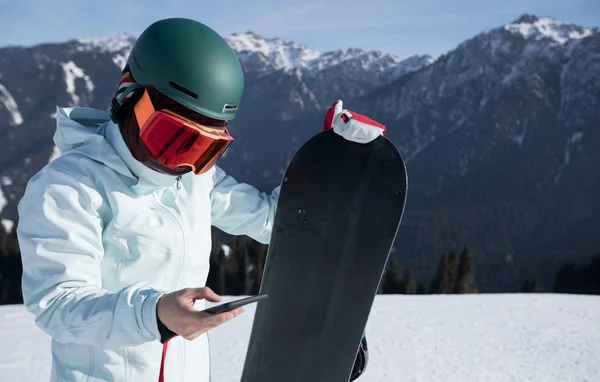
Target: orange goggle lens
(177, 141)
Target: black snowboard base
(338, 213)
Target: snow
(576, 137)
(8, 225)
(295, 99)
(497, 43)
(280, 54)
(268, 54)
(369, 61)
(55, 154)
(311, 94)
(111, 44)
(73, 72)
(546, 28)
(118, 45)
(463, 164)
(507, 79)
(5, 181)
(11, 106)
(567, 156)
(411, 64)
(520, 137)
(2, 200)
(120, 60)
(483, 102)
(566, 90)
(226, 249)
(450, 338)
(441, 89)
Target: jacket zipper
(180, 270)
(184, 252)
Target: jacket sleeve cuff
(165, 333)
(149, 316)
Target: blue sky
(394, 26)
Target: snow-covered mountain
(262, 55)
(84, 72)
(499, 134)
(450, 338)
(265, 55)
(501, 137)
(553, 63)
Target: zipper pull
(178, 182)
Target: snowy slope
(446, 338)
(548, 29)
(9, 103)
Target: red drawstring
(161, 375)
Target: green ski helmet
(190, 63)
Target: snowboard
(339, 209)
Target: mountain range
(500, 134)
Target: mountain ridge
(498, 133)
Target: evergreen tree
(421, 289)
(452, 272)
(465, 281)
(11, 268)
(216, 274)
(533, 286)
(579, 280)
(238, 277)
(440, 282)
(230, 268)
(258, 254)
(392, 279)
(409, 282)
(593, 276)
(4, 269)
(4, 239)
(564, 279)
(13, 240)
(536, 285)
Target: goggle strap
(126, 92)
(143, 109)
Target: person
(115, 233)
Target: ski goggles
(178, 141)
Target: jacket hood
(91, 132)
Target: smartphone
(234, 304)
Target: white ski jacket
(102, 237)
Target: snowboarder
(115, 233)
